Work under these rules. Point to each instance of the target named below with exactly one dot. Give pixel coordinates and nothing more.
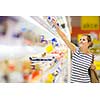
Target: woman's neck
(84, 50)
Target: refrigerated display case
(32, 51)
(46, 22)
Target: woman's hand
(54, 21)
(93, 66)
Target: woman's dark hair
(89, 40)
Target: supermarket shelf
(11, 52)
(22, 52)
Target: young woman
(81, 57)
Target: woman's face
(83, 43)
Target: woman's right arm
(63, 36)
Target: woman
(81, 57)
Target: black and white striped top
(80, 64)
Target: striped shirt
(80, 65)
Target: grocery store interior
(31, 50)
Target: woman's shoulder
(76, 49)
(91, 54)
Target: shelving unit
(44, 22)
(17, 56)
